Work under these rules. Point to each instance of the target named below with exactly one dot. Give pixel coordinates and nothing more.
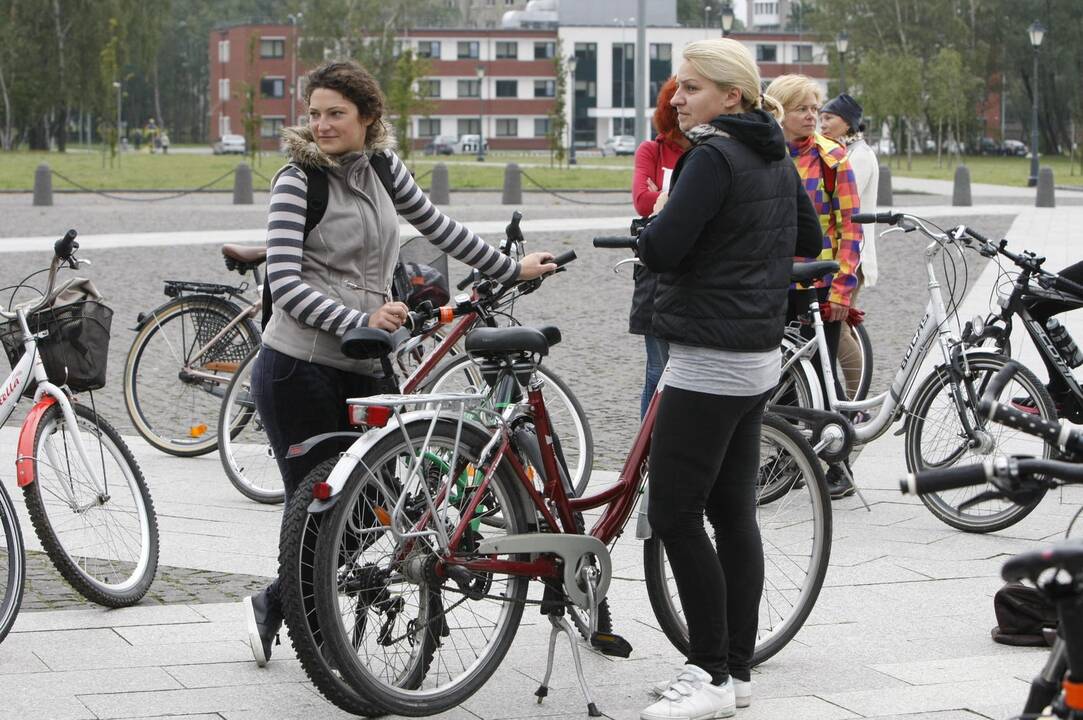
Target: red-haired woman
(655, 160)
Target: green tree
(558, 125)
(403, 99)
(251, 121)
(952, 95)
(891, 91)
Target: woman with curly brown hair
(330, 277)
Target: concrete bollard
(439, 190)
(513, 185)
(884, 197)
(43, 185)
(960, 193)
(242, 185)
(1045, 197)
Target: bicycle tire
(932, 416)
(349, 579)
(807, 505)
(61, 493)
(855, 375)
(296, 557)
(176, 415)
(243, 446)
(568, 419)
(12, 564)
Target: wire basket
(421, 274)
(76, 350)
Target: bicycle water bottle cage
(173, 288)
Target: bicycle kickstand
(845, 467)
(561, 625)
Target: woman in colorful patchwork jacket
(830, 183)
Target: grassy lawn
(179, 171)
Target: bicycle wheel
(406, 638)
(243, 447)
(12, 564)
(566, 415)
(296, 559)
(935, 438)
(172, 396)
(796, 533)
(101, 536)
(854, 369)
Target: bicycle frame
(932, 327)
(30, 366)
(1017, 305)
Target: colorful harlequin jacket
(842, 236)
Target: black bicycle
(1057, 571)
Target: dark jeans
(1045, 309)
(796, 305)
(657, 357)
(705, 457)
(297, 400)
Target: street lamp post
(706, 14)
(842, 43)
(727, 19)
(571, 126)
(481, 112)
(116, 86)
(1037, 33)
(295, 20)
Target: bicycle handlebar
(622, 242)
(63, 251)
(885, 218)
(940, 479)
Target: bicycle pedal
(611, 644)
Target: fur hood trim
(301, 148)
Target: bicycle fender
(24, 460)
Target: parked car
(989, 146)
(469, 144)
(441, 145)
(229, 144)
(886, 146)
(1016, 147)
(619, 145)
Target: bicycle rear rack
(173, 288)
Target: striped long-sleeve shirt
(842, 236)
(286, 247)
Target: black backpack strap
(381, 163)
(316, 199)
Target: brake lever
(626, 261)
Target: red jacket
(652, 158)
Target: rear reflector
(321, 491)
(370, 416)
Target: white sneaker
(692, 697)
(742, 691)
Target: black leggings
(1045, 309)
(705, 457)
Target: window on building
(428, 88)
(507, 127)
(661, 51)
(541, 127)
(468, 50)
(507, 88)
(545, 50)
(661, 67)
(429, 49)
(469, 126)
(223, 125)
(802, 53)
(271, 126)
(509, 2)
(470, 88)
(223, 89)
(624, 126)
(623, 74)
(507, 50)
(767, 53)
(428, 127)
(272, 47)
(272, 87)
(223, 51)
(545, 88)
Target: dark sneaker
(263, 623)
(838, 485)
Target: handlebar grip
(886, 218)
(66, 245)
(940, 479)
(616, 241)
(565, 258)
(976, 235)
(468, 280)
(1048, 430)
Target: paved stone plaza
(901, 629)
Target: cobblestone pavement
(597, 357)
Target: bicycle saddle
(499, 341)
(247, 256)
(1066, 555)
(365, 343)
(807, 272)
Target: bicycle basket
(421, 274)
(75, 351)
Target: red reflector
(295, 450)
(321, 491)
(371, 416)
